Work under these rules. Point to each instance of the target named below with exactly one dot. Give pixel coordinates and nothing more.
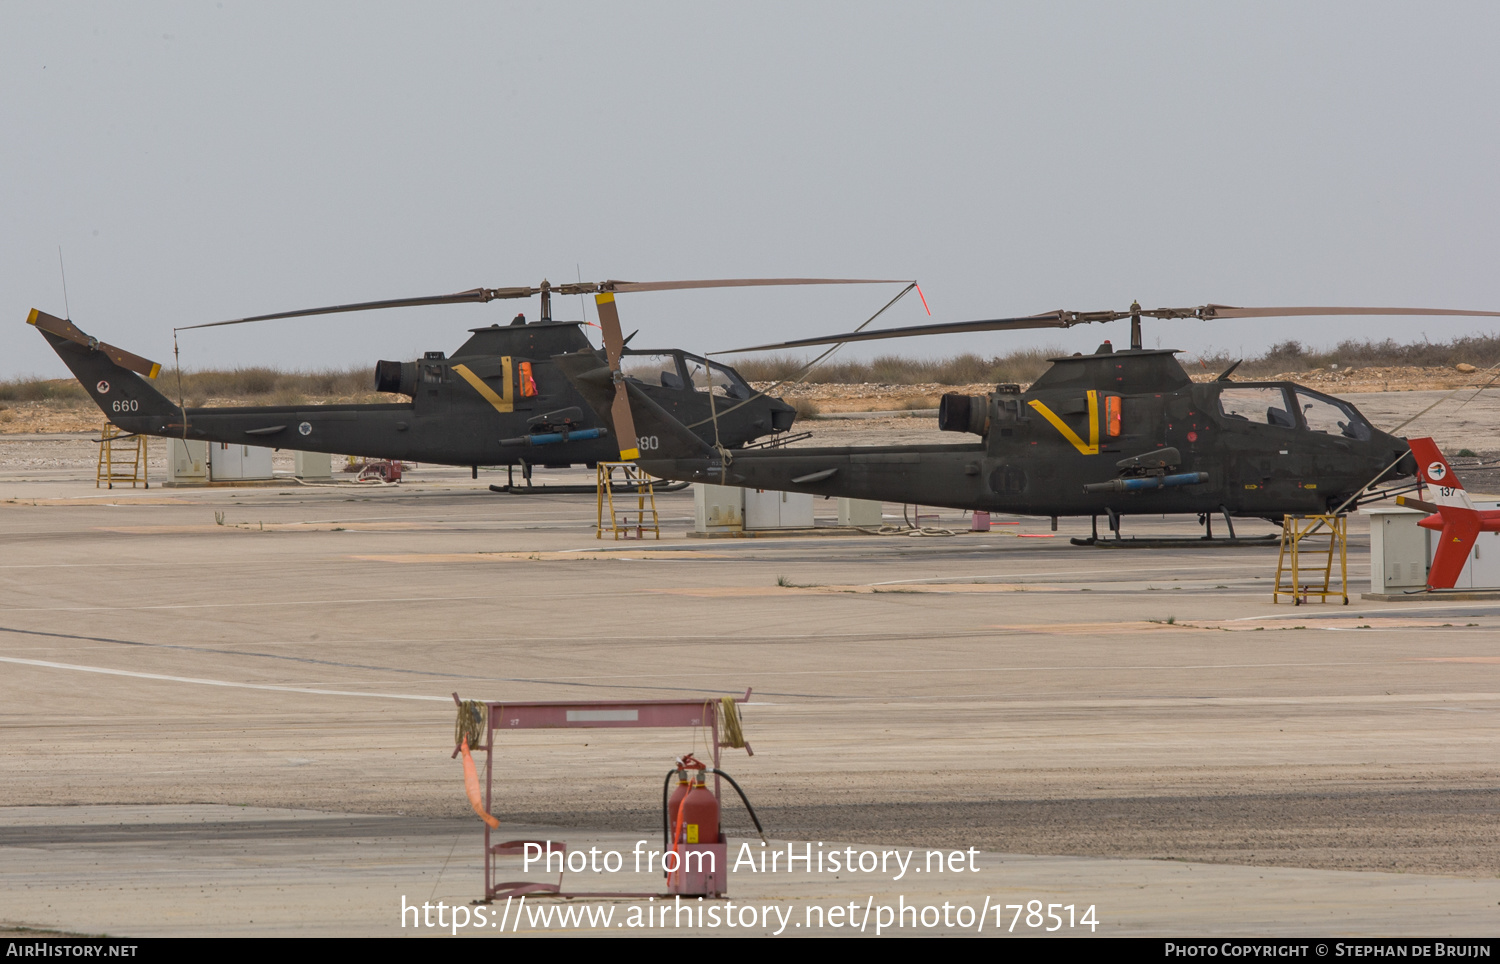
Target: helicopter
(497, 400)
(1109, 433)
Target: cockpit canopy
(679, 369)
(1294, 407)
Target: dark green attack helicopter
(1111, 433)
(498, 400)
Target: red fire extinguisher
(670, 806)
(690, 815)
(692, 812)
(698, 814)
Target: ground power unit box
(312, 465)
(1399, 555)
(187, 461)
(769, 509)
(718, 508)
(861, 512)
(228, 462)
(728, 508)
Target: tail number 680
(648, 443)
(125, 405)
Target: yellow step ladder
(620, 525)
(1304, 567)
(122, 458)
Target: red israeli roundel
(1192, 436)
(103, 387)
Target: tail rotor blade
(625, 423)
(66, 329)
(614, 348)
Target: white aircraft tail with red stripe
(1443, 486)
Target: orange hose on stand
(677, 838)
(471, 786)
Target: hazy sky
(202, 161)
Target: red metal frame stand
(598, 714)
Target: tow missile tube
(1147, 483)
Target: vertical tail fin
(108, 374)
(1437, 475)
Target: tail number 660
(125, 405)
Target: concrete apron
(191, 870)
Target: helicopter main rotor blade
(1051, 319)
(483, 295)
(614, 347)
(1227, 311)
(625, 286)
(63, 328)
(473, 295)
(1067, 319)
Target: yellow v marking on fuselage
(500, 403)
(1091, 447)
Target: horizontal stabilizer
(1455, 542)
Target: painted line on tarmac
(96, 565)
(232, 605)
(1156, 702)
(579, 682)
(1454, 607)
(1062, 572)
(209, 651)
(217, 682)
(47, 664)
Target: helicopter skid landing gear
(526, 488)
(1205, 541)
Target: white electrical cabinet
(861, 512)
(312, 465)
(187, 461)
(718, 508)
(728, 508)
(768, 509)
(238, 463)
(1399, 556)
